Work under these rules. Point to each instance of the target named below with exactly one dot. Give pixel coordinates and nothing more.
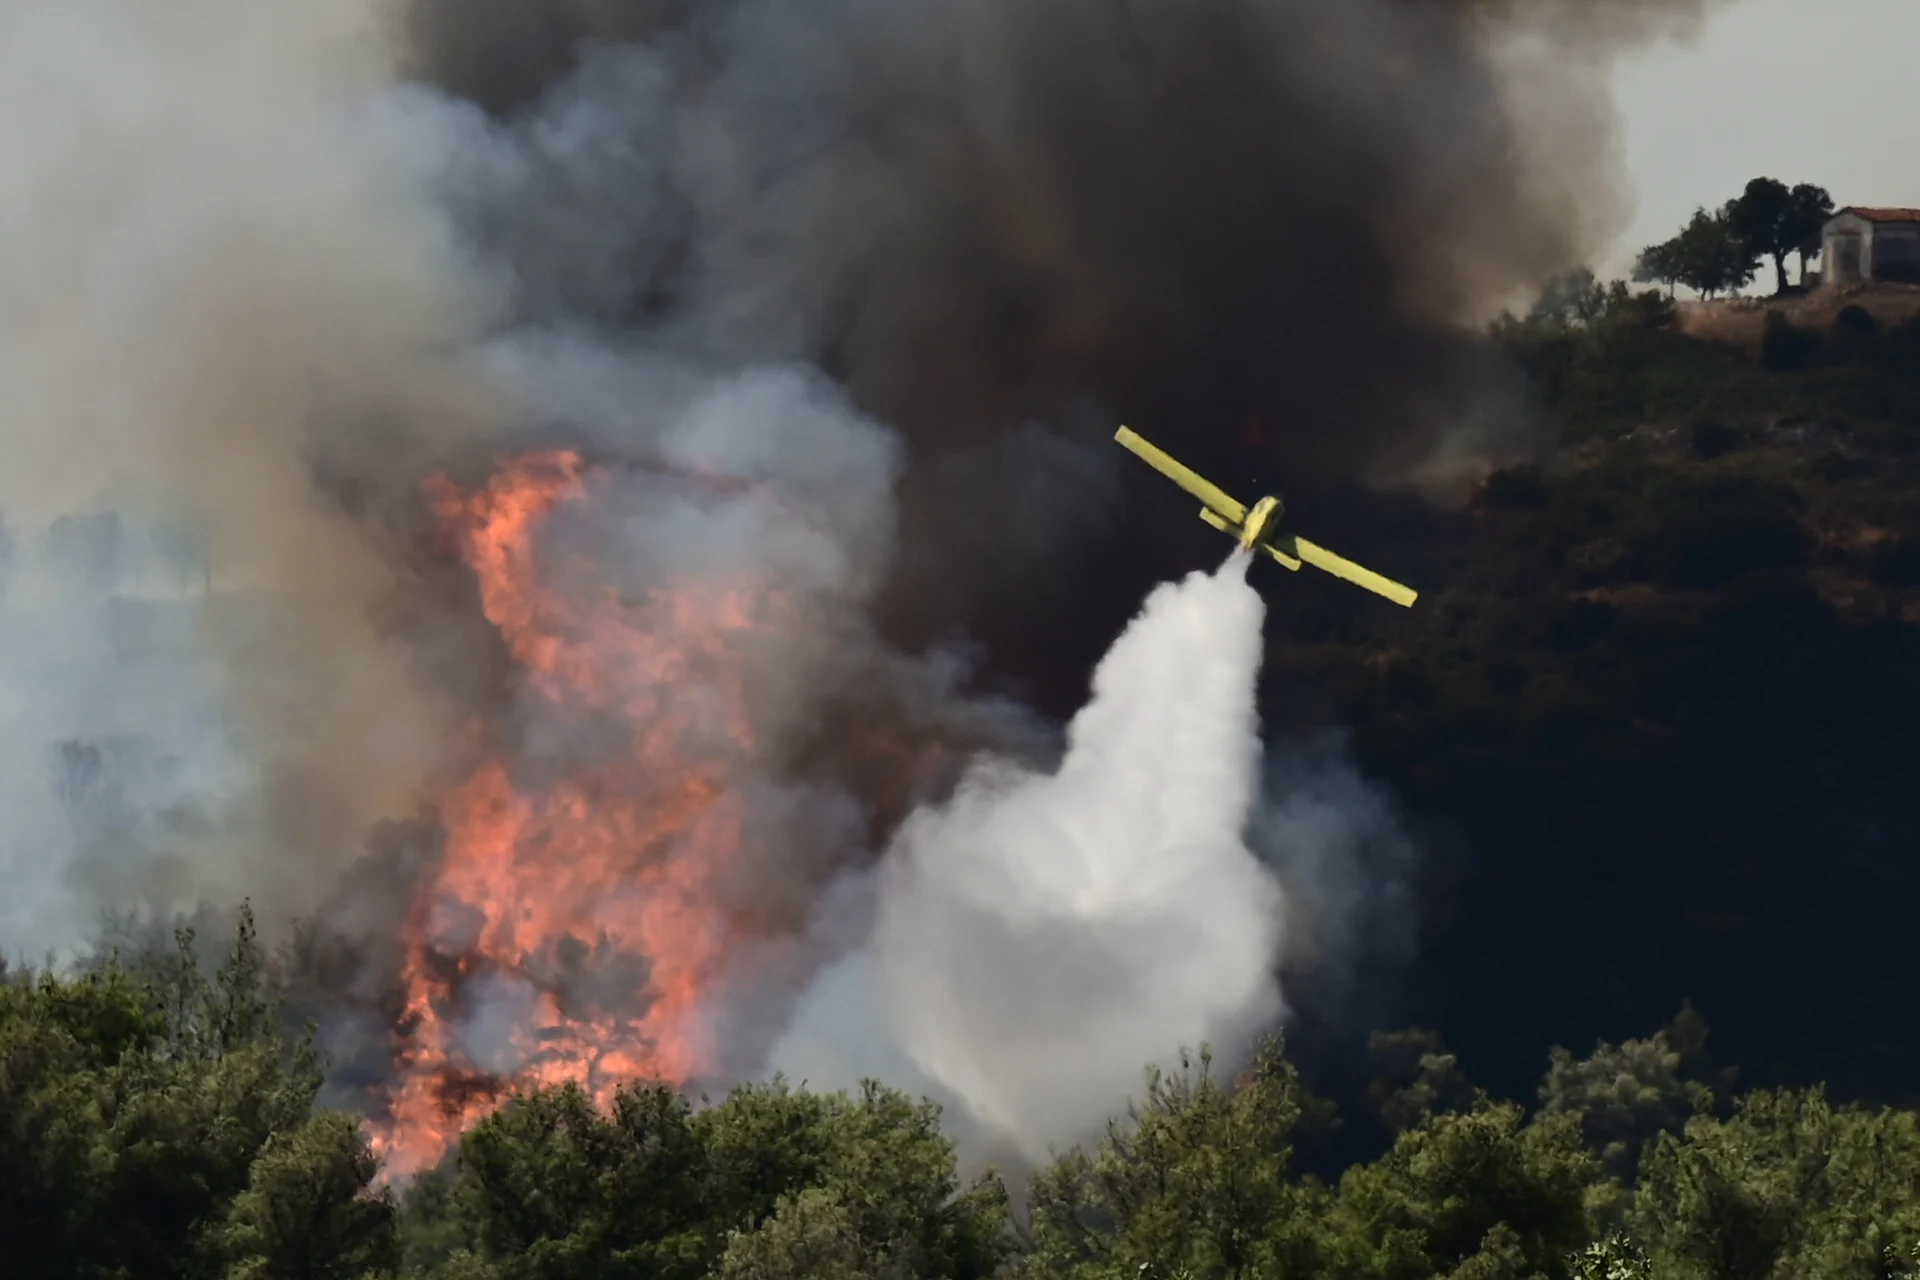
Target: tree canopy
(1720, 251)
(163, 1125)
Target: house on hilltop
(1859, 245)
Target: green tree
(57, 1038)
(809, 1237)
(1471, 1193)
(1614, 1257)
(549, 1186)
(1660, 264)
(1574, 299)
(1624, 1097)
(1772, 220)
(1711, 257)
(1812, 209)
(310, 1211)
(1761, 219)
(136, 1114)
(1415, 1077)
(1789, 1185)
(1193, 1184)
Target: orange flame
(578, 924)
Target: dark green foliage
(164, 1129)
(1661, 689)
(1705, 532)
(1632, 366)
(1614, 1256)
(1577, 298)
(811, 1234)
(1784, 345)
(1416, 1078)
(767, 1183)
(307, 1213)
(56, 1040)
(1196, 1186)
(430, 1229)
(1629, 519)
(1772, 220)
(1660, 264)
(564, 1190)
(1855, 319)
(1196, 1182)
(1788, 1186)
(1711, 256)
(1718, 252)
(1624, 1096)
(882, 1160)
(1475, 1192)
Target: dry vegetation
(1741, 322)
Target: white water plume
(1042, 935)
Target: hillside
(1653, 719)
(1659, 717)
(1741, 322)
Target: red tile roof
(1883, 215)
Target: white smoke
(1043, 936)
(215, 219)
(1336, 840)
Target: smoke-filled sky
(548, 487)
(268, 265)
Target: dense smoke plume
(216, 225)
(1179, 213)
(816, 319)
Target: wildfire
(580, 917)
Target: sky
(1816, 91)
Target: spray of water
(1041, 935)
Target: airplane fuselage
(1261, 520)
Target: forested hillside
(158, 1123)
(1654, 722)
(1660, 717)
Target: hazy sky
(1802, 90)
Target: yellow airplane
(1258, 527)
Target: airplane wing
(1212, 496)
(1340, 567)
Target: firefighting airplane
(1258, 527)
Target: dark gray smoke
(974, 213)
(1176, 213)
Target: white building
(1860, 244)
